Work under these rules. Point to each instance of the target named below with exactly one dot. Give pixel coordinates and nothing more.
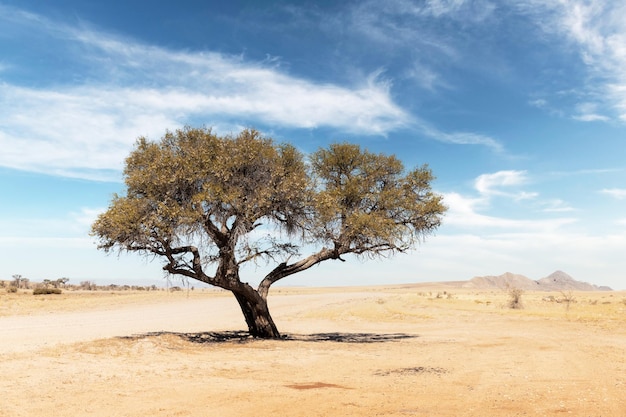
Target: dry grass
(607, 309)
(23, 302)
(468, 354)
(387, 304)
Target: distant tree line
(19, 282)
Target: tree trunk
(257, 314)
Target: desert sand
(382, 351)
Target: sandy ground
(411, 351)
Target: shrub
(515, 301)
(568, 298)
(12, 289)
(42, 290)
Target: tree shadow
(244, 337)
(349, 337)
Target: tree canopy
(208, 205)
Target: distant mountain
(506, 280)
(557, 281)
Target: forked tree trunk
(257, 314)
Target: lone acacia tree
(209, 204)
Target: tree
(17, 280)
(60, 282)
(208, 205)
(20, 282)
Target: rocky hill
(557, 281)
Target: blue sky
(518, 106)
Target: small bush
(40, 291)
(515, 298)
(568, 298)
(12, 289)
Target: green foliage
(198, 199)
(366, 205)
(45, 290)
(194, 183)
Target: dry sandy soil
(386, 351)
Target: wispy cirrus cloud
(556, 206)
(84, 129)
(465, 213)
(618, 193)
(411, 28)
(588, 112)
(491, 189)
(460, 138)
(598, 30)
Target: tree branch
(283, 270)
(194, 270)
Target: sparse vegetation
(12, 289)
(567, 298)
(20, 281)
(368, 344)
(46, 290)
(515, 298)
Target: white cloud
(491, 210)
(464, 212)
(489, 183)
(86, 130)
(534, 253)
(405, 27)
(426, 77)
(70, 225)
(618, 193)
(539, 103)
(460, 138)
(464, 10)
(86, 216)
(588, 112)
(556, 206)
(598, 30)
(591, 118)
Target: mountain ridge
(556, 281)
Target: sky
(517, 106)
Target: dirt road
(219, 312)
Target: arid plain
(416, 350)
